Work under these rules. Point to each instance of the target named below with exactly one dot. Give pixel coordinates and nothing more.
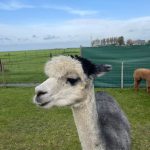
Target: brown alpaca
(141, 74)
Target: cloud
(5, 39)
(22, 39)
(131, 28)
(14, 5)
(72, 10)
(34, 36)
(50, 37)
(74, 32)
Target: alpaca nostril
(108, 67)
(39, 93)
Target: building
(139, 42)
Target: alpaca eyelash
(72, 81)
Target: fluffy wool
(100, 123)
(141, 74)
(63, 66)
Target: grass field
(23, 126)
(27, 66)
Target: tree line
(109, 41)
(117, 41)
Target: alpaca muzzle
(104, 68)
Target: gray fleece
(113, 124)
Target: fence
(26, 67)
(124, 60)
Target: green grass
(23, 126)
(27, 66)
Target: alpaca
(100, 122)
(140, 74)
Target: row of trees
(117, 41)
(109, 41)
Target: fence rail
(22, 68)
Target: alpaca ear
(102, 69)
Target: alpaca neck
(85, 116)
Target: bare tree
(111, 40)
(107, 41)
(115, 40)
(129, 42)
(104, 41)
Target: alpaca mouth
(44, 104)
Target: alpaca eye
(72, 81)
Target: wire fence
(26, 67)
(124, 60)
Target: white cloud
(76, 31)
(72, 10)
(13, 5)
(132, 28)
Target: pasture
(27, 66)
(23, 126)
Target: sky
(42, 24)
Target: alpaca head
(69, 80)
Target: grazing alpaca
(141, 74)
(100, 122)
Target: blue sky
(37, 24)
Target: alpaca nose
(40, 93)
(38, 96)
(108, 67)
